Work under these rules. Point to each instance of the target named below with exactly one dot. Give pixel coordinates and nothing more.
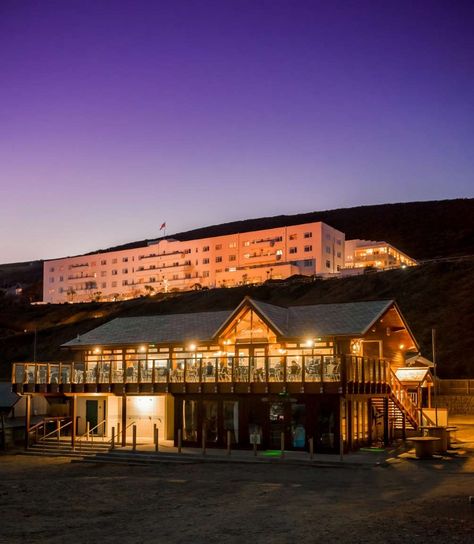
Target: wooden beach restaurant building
(326, 372)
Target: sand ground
(50, 500)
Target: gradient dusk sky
(117, 115)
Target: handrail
(55, 431)
(122, 430)
(401, 395)
(88, 432)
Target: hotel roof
(354, 318)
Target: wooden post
(404, 427)
(124, 421)
(58, 429)
(179, 440)
(88, 430)
(112, 444)
(27, 421)
(134, 438)
(282, 444)
(311, 448)
(118, 432)
(74, 421)
(156, 435)
(385, 422)
(203, 440)
(229, 440)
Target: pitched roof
(154, 329)
(354, 318)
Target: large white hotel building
(221, 261)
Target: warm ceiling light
(309, 343)
(97, 350)
(401, 346)
(192, 347)
(142, 348)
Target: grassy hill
(432, 295)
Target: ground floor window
(231, 419)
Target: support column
(73, 411)
(386, 438)
(27, 421)
(124, 420)
(350, 441)
(370, 422)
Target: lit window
(232, 245)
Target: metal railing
(88, 433)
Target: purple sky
(118, 115)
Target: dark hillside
(432, 295)
(423, 230)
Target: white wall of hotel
(165, 265)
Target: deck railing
(269, 369)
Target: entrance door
(288, 418)
(92, 414)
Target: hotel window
(124, 282)
(292, 237)
(205, 274)
(328, 236)
(186, 251)
(61, 278)
(328, 264)
(51, 269)
(114, 272)
(308, 262)
(187, 276)
(232, 245)
(205, 248)
(247, 243)
(175, 277)
(218, 246)
(219, 271)
(152, 279)
(205, 261)
(124, 270)
(218, 259)
(103, 262)
(307, 249)
(125, 259)
(51, 280)
(114, 284)
(103, 285)
(232, 257)
(338, 254)
(328, 249)
(293, 250)
(278, 239)
(338, 242)
(308, 234)
(103, 273)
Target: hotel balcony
(274, 374)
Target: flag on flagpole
(163, 226)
